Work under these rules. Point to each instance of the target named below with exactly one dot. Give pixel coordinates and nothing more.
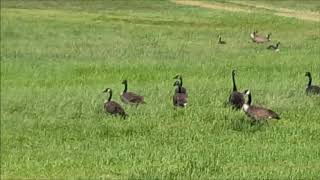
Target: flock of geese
(236, 98)
(259, 39)
(180, 99)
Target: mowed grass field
(58, 56)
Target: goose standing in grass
(130, 97)
(311, 89)
(257, 113)
(274, 47)
(179, 98)
(183, 90)
(236, 99)
(220, 41)
(113, 107)
(260, 39)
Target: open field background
(58, 56)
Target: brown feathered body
(183, 91)
(260, 113)
(260, 39)
(180, 100)
(236, 99)
(312, 89)
(130, 97)
(114, 108)
(257, 113)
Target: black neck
(180, 81)
(125, 87)
(179, 87)
(219, 39)
(310, 80)
(249, 99)
(268, 36)
(234, 83)
(110, 95)
(277, 45)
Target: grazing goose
(113, 107)
(130, 97)
(179, 98)
(274, 47)
(236, 99)
(260, 39)
(311, 89)
(220, 41)
(257, 113)
(183, 90)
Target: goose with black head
(130, 97)
(179, 99)
(236, 98)
(183, 90)
(312, 89)
(257, 113)
(113, 107)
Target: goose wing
(132, 97)
(260, 39)
(180, 99)
(260, 113)
(183, 90)
(313, 90)
(114, 108)
(236, 99)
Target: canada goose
(179, 98)
(183, 90)
(257, 113)
(311, 89)
(130, 97)
(113, 107)
(236, 99)
(274, 47)
(220, 41)
(260, 39)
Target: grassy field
(57, 57)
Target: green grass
(56, 59)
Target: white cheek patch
(251, 35)
(185, 104)
(245, 107)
